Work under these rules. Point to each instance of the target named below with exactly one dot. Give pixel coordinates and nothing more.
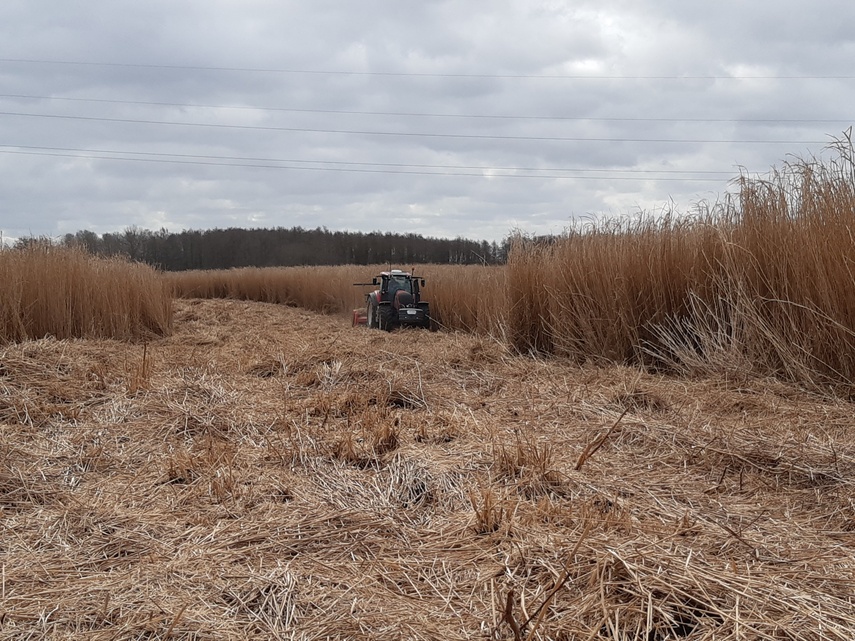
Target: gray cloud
(615, 107)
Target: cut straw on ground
(256, 475)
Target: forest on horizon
(281, 247)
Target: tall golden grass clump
(603, 290)
(790, 263)
(469, 298)
(65, 293)
(763, 282)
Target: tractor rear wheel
(372, 316)
(387, 315)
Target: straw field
(253, 469)
(465, 298)
(269, 473)
(763, 284)
(65, 293)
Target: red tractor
(397, 303)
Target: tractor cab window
(397, 283)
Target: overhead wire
(400, 168)
(409, 133)
(361, 163)
(355, 167)
(428, 74)
(352, 112)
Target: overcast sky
(443, 118)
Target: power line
(410, 134)
(434, 114)
(180, 161)
(365, 164)
(344, 72)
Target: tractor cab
(397, 281)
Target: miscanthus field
(635, 431)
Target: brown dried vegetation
(761, 284)
(65, 293)
(265, 472)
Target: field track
(270, 473)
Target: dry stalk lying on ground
(595, 445)
(269, 473)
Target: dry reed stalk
(760, 282)
(596, 444)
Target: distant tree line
(228, 248)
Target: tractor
(397, 303)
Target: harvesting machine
(397, 302)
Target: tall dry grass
(467, 298)
(791, 289)
(759, 283)
(328, 290)
(605, 289)
(65, 293)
